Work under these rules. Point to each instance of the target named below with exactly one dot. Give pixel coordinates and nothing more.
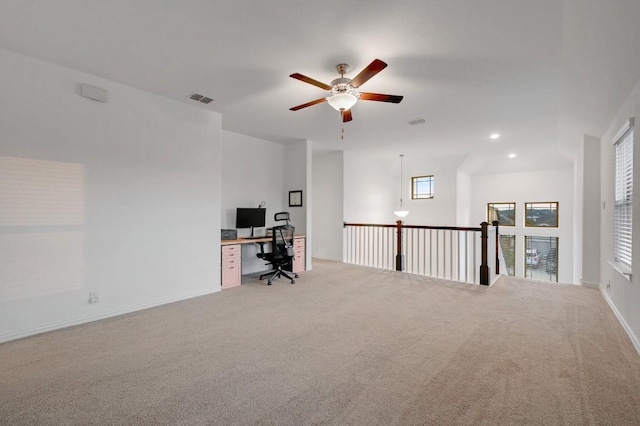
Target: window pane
(422, 187)
(505, 213)
(541, 214)
(508, 246)
(541, 258)
(622, 224)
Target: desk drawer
(231, 276)
(231, 252)
(231, 261)
(298, 264)
(231, 266)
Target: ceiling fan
(343, 94)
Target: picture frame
(295, 198)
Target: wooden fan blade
(346, 116)
(310, 81)
(308, 104)
(372, 69)
(380, 97)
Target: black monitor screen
(250, 217)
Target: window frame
(413, 187)
(623, 199)
(490, 219)
(509, 257)
(527, 208)
(529, 241)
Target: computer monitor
(250, 218)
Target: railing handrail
(485, 269)
(345, 224)
(446, 228)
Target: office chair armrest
(261, 255)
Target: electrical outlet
(94, 297)
(609, 285)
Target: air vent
(416, 121)
(201, 98)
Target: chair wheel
(269, 283)
(293, 281)
(296, 275)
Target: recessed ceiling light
(495, 136)
(512, 155)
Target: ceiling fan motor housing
(342, 85)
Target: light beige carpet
(345, 345)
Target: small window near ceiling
(422, 187)
(505, 213)
(541, 215)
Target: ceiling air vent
(416, 121)
(201, 98)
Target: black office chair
(282, 253)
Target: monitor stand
(253, 237)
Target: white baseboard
(633, 337)
(327, 258)
(589, 284)
(83, 320)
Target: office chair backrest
(282, 241)
(281, 216)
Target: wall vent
(92, 92)
(201, 98)
(416, 121)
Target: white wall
(587, 212)
(299, 176)
(328, 208)
(253, 170)
(543, 185)
(372, 189)
(463, 199)
(120, 198)
(622, 294)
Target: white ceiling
(539, 72)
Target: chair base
(277, 273)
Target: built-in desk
(231, 258)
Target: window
(505, 213)
(422, 187)
(541, 214)
(541, 258)
(508, 245)
(623, 196)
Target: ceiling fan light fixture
(342, 101)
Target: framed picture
(295, 198)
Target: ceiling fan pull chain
(342, 135)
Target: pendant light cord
(401, 157)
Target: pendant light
(401, 212)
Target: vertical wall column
(299, 177)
